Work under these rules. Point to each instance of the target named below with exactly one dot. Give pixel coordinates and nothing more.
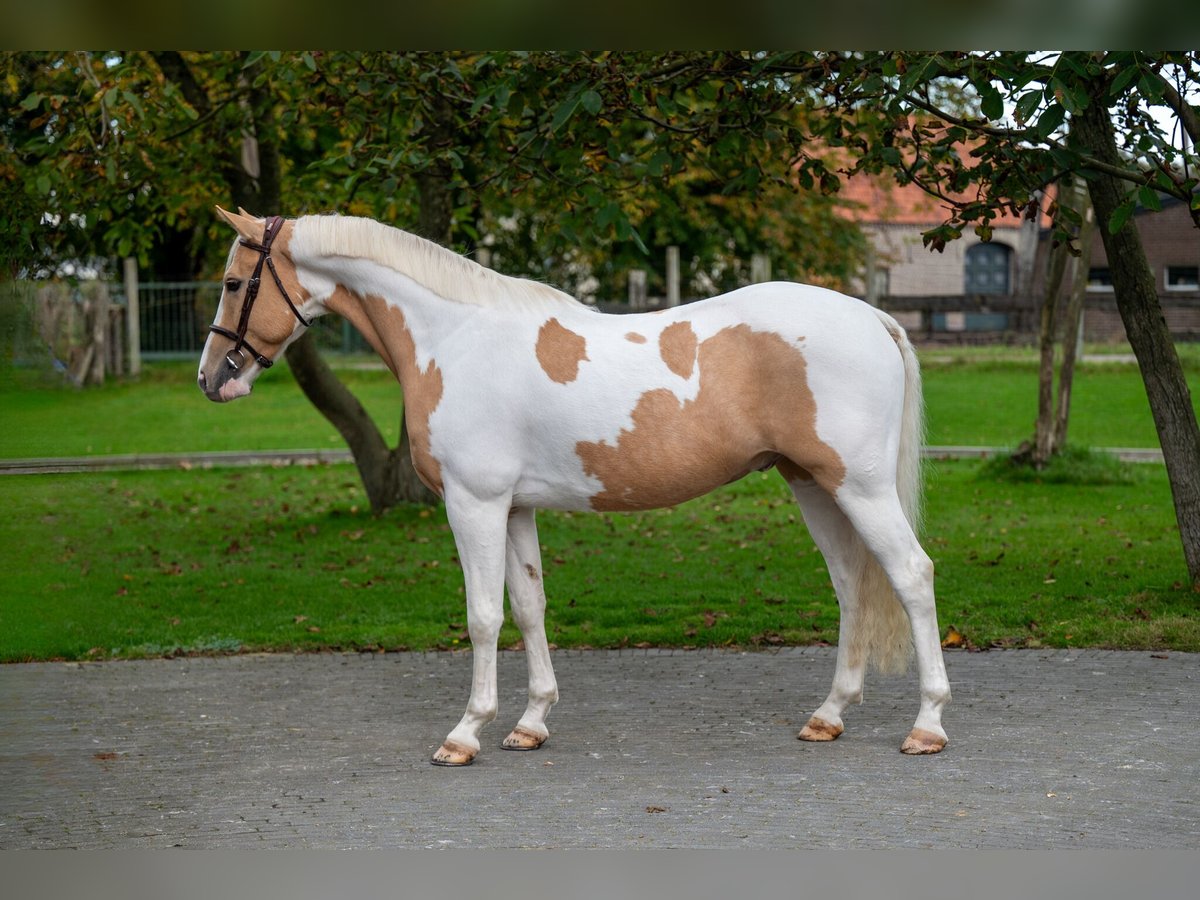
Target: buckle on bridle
(235, 365)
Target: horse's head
(261, 308)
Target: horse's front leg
(480, 528)
(526, 596)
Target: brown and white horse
(518, 397)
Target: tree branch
(175, 67)
(1185, 111)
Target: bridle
(274, 224)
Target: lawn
(153, 563)
(973, 398)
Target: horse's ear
(243, 223)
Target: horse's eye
(233, 285)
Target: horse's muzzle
(225, 389)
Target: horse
(518, 397)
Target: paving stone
(648, 748)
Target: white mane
(447, 274)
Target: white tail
(884, 634)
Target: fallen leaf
(656, 809)
(954, 638)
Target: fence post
(760, 268)
(133, 320)
(637, 288)
(672, 276)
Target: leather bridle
(273, 226)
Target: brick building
(979, 291)
(1172, 244)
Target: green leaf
(591, 102)
(133, 100)
(1053, 116)
(659, 163)
(254, 57)
(43, 184)
(1123, 80)
(32, 102)
(565, 110)
(1120, 216)
(608, 215)
(309, 61)
(1026, 105)
(991, 103)
(1148, 197)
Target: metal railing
(174, 317)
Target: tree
(890, 108)
(127, 151)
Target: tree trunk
(1043, 434)
(1037, 452)
(387, 474)
(1073, 321)
(1146, 327)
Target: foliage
(566, 161)
(151, 564)
(889, 108)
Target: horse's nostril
(202, 381)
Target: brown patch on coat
(819, 730)
(560, 351)
(754, 404)
(634, 338)
(271, 320)
(385, 329)
(677, 346)
(531, 571)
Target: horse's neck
(401, 320)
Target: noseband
(274, 224)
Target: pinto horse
(517, 397)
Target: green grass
(973, 398)
(163, 412)
(147, 564)
(994, 403)
(157, 563)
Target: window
(1183, 278)
(987, 269)
(1099, 279)
(882, 283)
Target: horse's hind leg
(880, 522)
(527, 598)
(843, 551)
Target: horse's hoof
(920, 741)
(819, 730)
(522, 739)
(453, 754)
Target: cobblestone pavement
(647, 749)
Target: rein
(273, 227)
